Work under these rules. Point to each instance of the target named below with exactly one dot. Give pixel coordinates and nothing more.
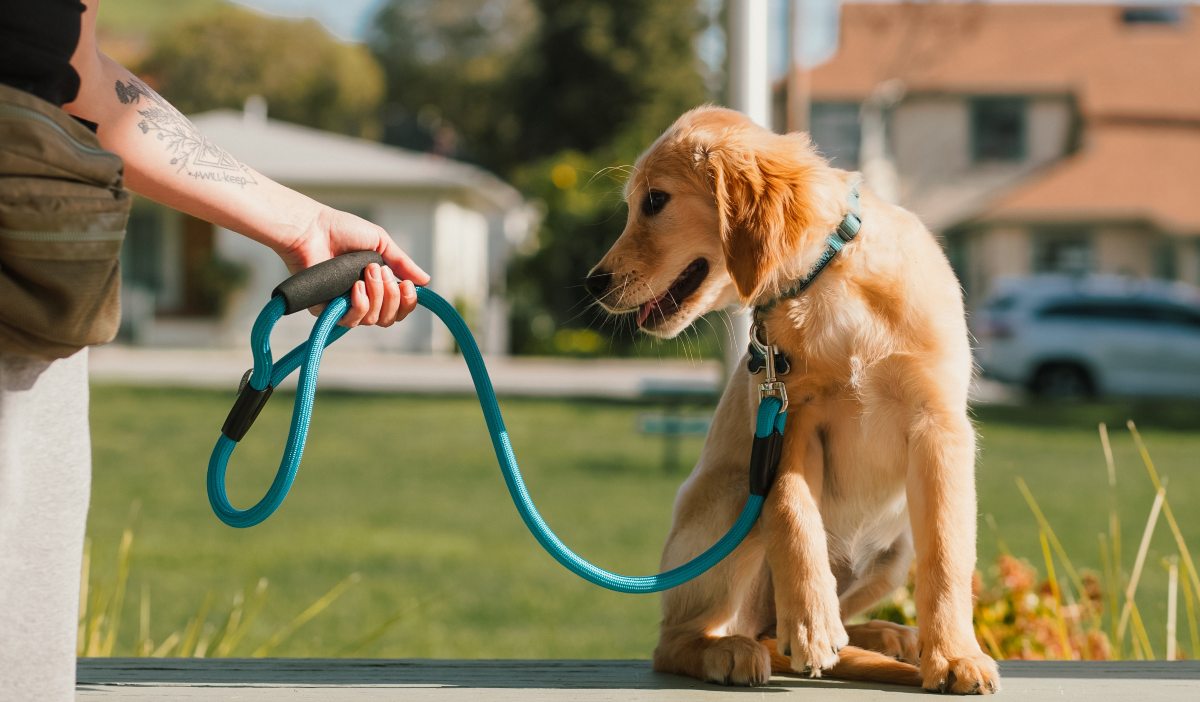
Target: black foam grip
(324, 281)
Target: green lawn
(405, 491)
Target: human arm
(169, 161)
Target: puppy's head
(719, 210)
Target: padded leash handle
(324, 281)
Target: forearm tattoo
(190, 151)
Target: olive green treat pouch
(63, 211)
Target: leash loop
(264, 377)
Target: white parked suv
(1075, 337)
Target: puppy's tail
(854, 663)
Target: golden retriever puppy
(878, 457)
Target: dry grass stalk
(1172, 605)
(1140, 562)
(1180, 543)
(101, 606)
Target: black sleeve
(37, 40)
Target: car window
(1180, 316)
(1126, 310)
(1103, 310)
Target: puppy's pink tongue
(645, 310)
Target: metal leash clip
(771, 386)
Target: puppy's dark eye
(654, 202)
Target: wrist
(294, 239)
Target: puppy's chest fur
(846, 408)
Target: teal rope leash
(267, 374)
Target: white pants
(45, 481)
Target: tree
(447, 66)
(550, 94)
(520, 80)
(219, 59)
(599, 69)
(600, 81)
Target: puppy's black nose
(598, 282)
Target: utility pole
(798, 77)
(874, 160)
(749, 73)
(750, 94)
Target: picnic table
(678, 416)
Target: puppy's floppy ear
(767, 188)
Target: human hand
(387, 293)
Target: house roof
(1122, 172)
(1112, 68)
(301, 156)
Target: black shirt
(37, 39)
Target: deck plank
(355, 680)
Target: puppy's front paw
(972, 674)
(737, 660)
(811, 637)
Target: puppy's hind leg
(890, 639)
(886, 573)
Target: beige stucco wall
(1049, 132)
(1187, 260)
(1124, 251)
(931, 141)
(993, 254)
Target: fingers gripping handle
(324, 281)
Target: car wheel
(1063, 381)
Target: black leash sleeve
(764, 462)
(324, 281)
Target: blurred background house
(190, 283)
(1035, 138)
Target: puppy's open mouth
(663, 307)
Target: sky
(348, 19)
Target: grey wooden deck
(337, 680)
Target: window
(141, 253)
(1166, 263)
(1163, 15)
(1180, 316)
(1108, 310)
(1062, 254)
(998, 129)
(835, 129)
